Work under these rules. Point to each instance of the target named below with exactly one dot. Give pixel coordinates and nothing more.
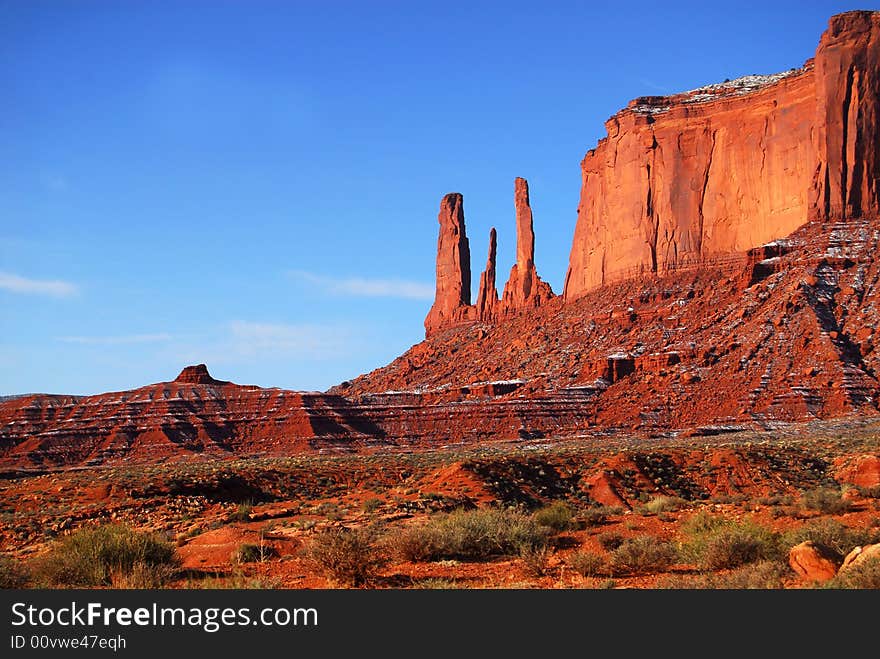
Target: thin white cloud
(25, 286)
(362, 287)
(311, 341)
(115, 340)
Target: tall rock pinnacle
(524, 288)
(525, 232)
(453, 297)
(848, 117)
(487, 298)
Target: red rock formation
(691, 178)
(487, 298)
(813, 561)
(453, 297)
(524, 288)
(847, 121)
(197, 374)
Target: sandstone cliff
(691, 178)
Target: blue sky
(255, 185)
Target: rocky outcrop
(524, 288)
(813, 561)
(487, 298)
(860, 556)
(453, 296)
(692, 179)
(197, 374)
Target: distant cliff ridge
(689, 179)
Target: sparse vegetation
(13, 573)
(865, 575)
(718, 543)
(663, 504)
(763, 575)
(252, 553)
(242, 512)
(110, 555)
(349, 557)
(609, 540)
(826, 500)
(558, 516)
(535, 559)
(470, 535)
(831, 533)
(371, 505)
(587, 564)
(642, 555)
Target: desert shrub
(865, 575)
(470, 535)
(436, 583)
(642, 555)
(535, 559)
(764, 575)
(251, 553)
(831, 533)
(717, 543)
(663, 504)
(870, 492)
(349, 557)
(242, 512)
(598, 515)
(587, 563)
(609, 540)
(143, 575)
(557, 516)
(13, 573)
(106, 556)
(826, 500)
(371, 505)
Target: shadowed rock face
(693, 177)
(487, 299)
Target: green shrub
(825, 500)
(587, 563)
(831, 533)
(865, 575)
(107, 556)
(642, 555)
(13, 573)
(717, 543)
(470, 535)
(349, 557)
(557, 516)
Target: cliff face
(690, 178)
(847, 83)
